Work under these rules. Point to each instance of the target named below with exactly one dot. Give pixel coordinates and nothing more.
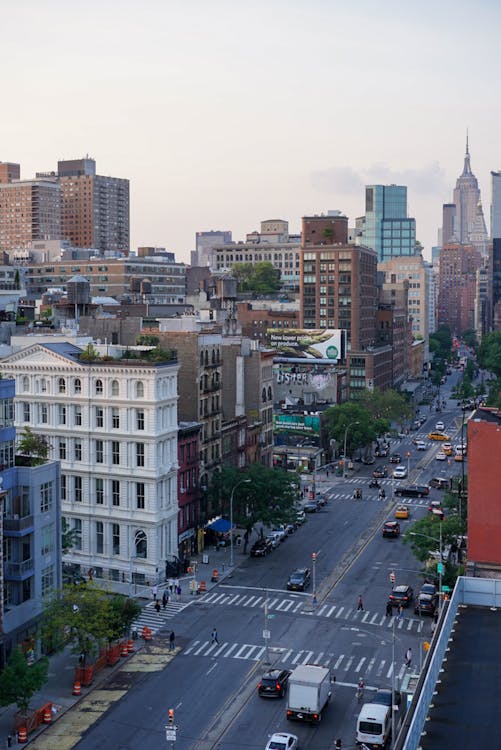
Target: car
(440, 427)
(440, 483)
(439, 513)
(459, 457)
(401, 595)
(402, 511)
(280, 532)
(261, 548)
(311, 506)
(299, 579)
(434, 435)
(400, 472)
(422, 420)
(274, 540)
(395, 458)
(300, 518)
(440, 456)
(273, 684)
(282, 741)
(425, 604)
(382, 452)
(447, 449)
(461, 449)
(385, 697)
(391, 529)
(435, 504)
(289, 528)
(412, 490)
(421, 445)
(380, 472)
(428, 588)
(369, 461)
(415, 425)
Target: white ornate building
(113, 425)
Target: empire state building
(467, 201)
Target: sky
(226, 113)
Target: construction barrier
(203, 587)
(146, 633)
(123, 649)
(47, 714)
(130, 646)
(22, 735)
(113, 654)
(215, 575)
(77, 688)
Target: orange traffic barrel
(47, 714)
(203, 587)
(146, 633)
(22, 735)
(215, 575)
(123, 648)
(77, 688)
(130, 646)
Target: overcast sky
(224, 113)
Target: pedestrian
(171, 586)
(400, 611)
(213, 636)
(176, 584)
(165, 599)
(327, 473)
(172, 641)
(360, 605)
(389, 609)
(178, 593)
(157, 605)
(338, 745)
(408, 657)
(154, 591)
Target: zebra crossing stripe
(331, 610)
(232, 648)
(370, 665)
(297, 658)
(348, 663)
(307, 658)
(322, 610)
(286, 655)
(380, 668)
(220, 649)
(190, 648)
(339, 612)
(252, 601)
(282, 606)
(359, 665)
(298, 606)
(272, 603)
(204, 644)
(336, 665)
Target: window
(78, 450)
(47, 580)
(99, 416)
(115, 418)
(61, 414)
(77, 486)
(78, 416)
(99, 537)
(99, 451)
(78, 385)
(43, 385)
(140, 495)
(45, 497)
(47, 540)
(99, 387)
(26, 412)
(139, 419)
(63, 486)
(139, 389)
(115, 492)
(44, 414)
(115, 452)
(115, 389)
(99, 491)
(139, 454)
(115, 538)
(62, 450)
(77, 532)
(61, 385)
(141, 544)
(26, 383)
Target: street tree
(389, 405)
(470, 338)
(440, 342)
(20, 680)
(341, 421)
(489, 353)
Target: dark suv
(391, 529)
(401, 595)
(298, 580)
(412, 490)
(261, 548)
(273, 684)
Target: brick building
(457, 280)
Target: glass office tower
(387, 228)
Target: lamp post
(440, 564)
(242, 481)
(345, 437)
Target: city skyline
(222, 116)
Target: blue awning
(220, 525)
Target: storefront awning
(220, 525)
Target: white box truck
(309, 692)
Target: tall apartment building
(387, 228)
(9, 172)
(495, 205)
(393, 325)
(112, 423)
(448, 223)
(30, 210)
(457, 286)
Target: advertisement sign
(306, 424)
(327, 343)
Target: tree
(440, 342)
(19, 680)
(68, 536)
(427, 541)
(389, 405)
(470, 338)
(35, 447)
(489, 353)
(260, 277)
(339, 418)
(89, 354)
(123, 613)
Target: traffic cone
(77, 688)
(22, 735)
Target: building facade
(466, 197)
(112, 423)
(188, 488)
(457, 286)
(30, 210)
(495, 227)
(205, 242)
(387, 228)
(9, 172)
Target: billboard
(327, 343)
(304, 424)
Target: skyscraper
(387, 228)
(496, 205)
(448, 222)
(465, 197)
(30, 210)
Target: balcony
(19, 570)
(15, 526)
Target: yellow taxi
(458, 457)
(402, 511)
(438, 436)
(447, 449)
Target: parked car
(311, 506)
(299, 579)
(380, 472)
(402, 511)
(384, 697)
(401, 595)
(300, 517)
(428, 588)
(280, 532)
(395, 458)
(369, 461)
(440, 483)
(400, 472)
(391, 529)
(261, 548)
(274, 540)
(412, 490)
(382, 452)
(282, 741)
(273, 684)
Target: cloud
(429, 179)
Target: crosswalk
(341, 665)
(372, 494)
(156, 621)
(296, 605)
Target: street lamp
(242, 481)
(345, 436)
(440, 564)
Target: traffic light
(313, 556)
(392, 577)
(171, 717)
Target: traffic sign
(170, 734)
(270, 617)
(266, 635)
(440, 570)
(446, 588)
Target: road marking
(370, 665)
(287, 654)
(282, 606)
(339, 612)
(205, 643)
(336, 665)
(359, 665)
(307, 658)
(190, 648)
(331, 610)
(232, 648)
(210, 670)
(221, 648)
(349, 663)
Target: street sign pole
(265, 629)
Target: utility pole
(266, 631)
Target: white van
(373, 725)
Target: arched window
(61, 385)
(270, 393)
(263, 395)
(141, 543)
(201, 358)
(139, 389)
(213, 356)
(206, 358)
(26, 383)
(78, 385)
(115, 389)
(99, 387)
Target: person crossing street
(213, 636)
